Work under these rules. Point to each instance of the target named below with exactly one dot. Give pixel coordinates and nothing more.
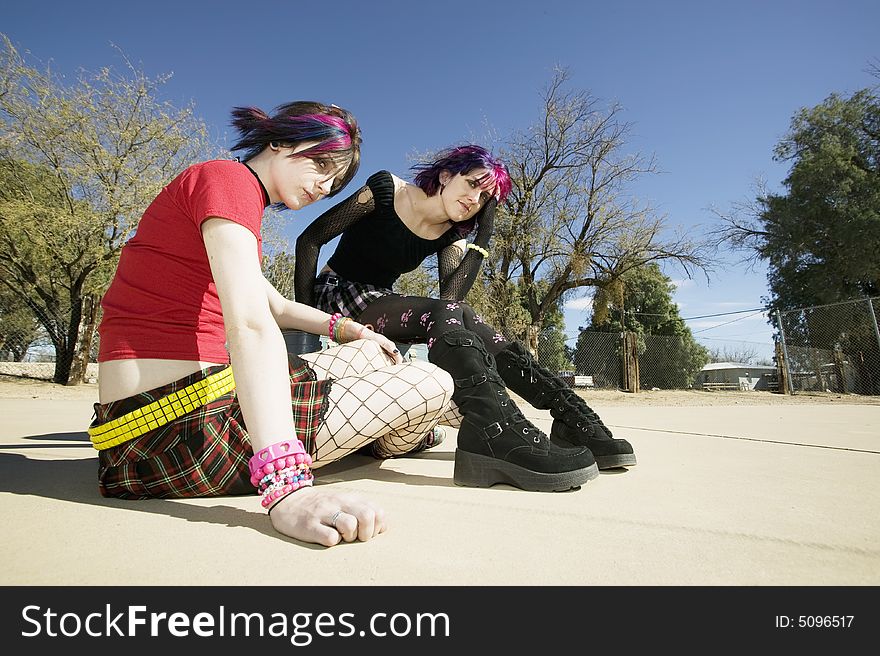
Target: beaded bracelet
(479, 249)
(282, 476)
(283, 483)
(272, 497)
(330, 327)
(279, 470)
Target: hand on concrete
(327, 517)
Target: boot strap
(494, 430)
(457, 340)
(471, 381)
(476, 379)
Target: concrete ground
(722, 495)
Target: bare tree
(740, 229)
(570, 220)
(743, 354)
(80, 163)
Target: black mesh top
(376, 247)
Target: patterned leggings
(421, 319)
(370, 399)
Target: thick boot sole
(615, 461)
(474, 470)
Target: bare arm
(290, 314)
(259, 361)
(256, 347)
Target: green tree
(420, 282)
(80, 163)
(552, 350)
(278, 259)
(18, 327)
(820, 239)
(641, 302)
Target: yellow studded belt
(158, 413)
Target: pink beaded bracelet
(333, 319)
(274, 496)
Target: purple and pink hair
(463, 160)
(335, 129)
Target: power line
(732, 339)
(729, 322)
(724, 314)
(704, 316)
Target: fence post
(789, 386)
(874, 319)
(629, 361)
(634, 355)
(781, 370)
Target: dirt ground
(28, 388)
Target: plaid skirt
(206, 451)
(335, 294)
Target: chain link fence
(26, 348)
(601, 360)
(832, 348)
(827, 348)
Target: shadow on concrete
(74, 480)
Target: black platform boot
(496, 443)
(574, 422)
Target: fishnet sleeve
(327, 226)
(457, 273)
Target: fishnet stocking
(396, 405)
(452, 417)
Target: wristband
(289, 453)
(339, 330)
(479, 249)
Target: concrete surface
(766, 495)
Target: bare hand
(389, 347)
(327, 517)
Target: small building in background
(736, 375)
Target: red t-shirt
(162, 302)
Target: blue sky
(709, 87)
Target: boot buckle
(472, 381)
(493, 430)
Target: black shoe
(574, 422)
(496, 443)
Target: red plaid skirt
(203, 453)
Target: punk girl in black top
(389, 227)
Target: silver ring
(334, 518)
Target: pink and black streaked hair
(463, 160)
(334, 128)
